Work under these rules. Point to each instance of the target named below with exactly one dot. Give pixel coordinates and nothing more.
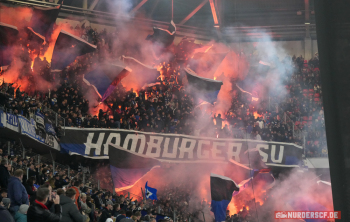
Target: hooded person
(70, 211)
(21, 214)
(4, 213)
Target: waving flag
(258, 177)
(221, 194)
(8, 37)
(43, 20)
(163, 36)
(127, 168)
(162, 39)
(141, 74)
(105, 77)
(35, 37)
(67, 48)
(151, 193)
(187, 48)
(205, 89)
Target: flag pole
(172, 9)
(143, 195)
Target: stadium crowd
(38, 192)
(166, 107)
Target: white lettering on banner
(235, 154)
(134, 139)
(89, 145)
(280, 155)
(204, 154)
(154, 145)
(27, 127)
(109, 140)
(11, 119)
(166, 153)
(39, 119)
(187, 149)
(215, 151)
(262, 153)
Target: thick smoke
(193, 178)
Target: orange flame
(256, 115)
(32, 64)
(215, 77)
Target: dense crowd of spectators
(167, 108)
(24, 182)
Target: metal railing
(56, 119)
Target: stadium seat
(311, 90)
(316, 142)
(305, 91)
(317, 95)
(305, 118)
(304, 122)
(297, 123)
(310, 118)
(317, 99)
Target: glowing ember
(214, 77)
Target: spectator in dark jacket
(70, 212)
(4, 174)
(120, 216)
(38, 212)
(30, 189)
(17, 192)
(97, 199)
(4, 213)
(108, 211)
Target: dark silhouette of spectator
(4, 174)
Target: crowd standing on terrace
(167, 108)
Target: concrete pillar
(308, 48)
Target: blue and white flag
(221, 188)
(49, 129)
(151, 193)
(105, 77)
